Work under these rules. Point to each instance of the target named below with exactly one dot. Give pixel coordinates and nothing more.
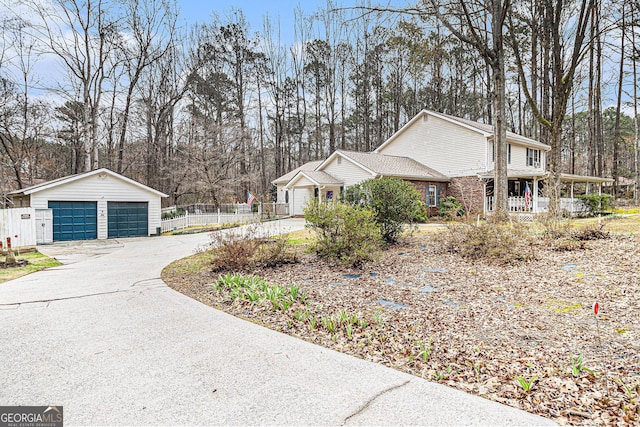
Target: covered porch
(526, 193)
(311, 184)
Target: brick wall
(468, 190)
(421, 186)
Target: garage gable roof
(71, 178)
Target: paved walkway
(103, 336)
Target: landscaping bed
(523, 333)
(26, 263)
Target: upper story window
(533, 157)
(493, 153)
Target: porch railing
(573, 206)
(517, 204)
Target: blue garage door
(128, 219)
(74, 220)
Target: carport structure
(98, 204)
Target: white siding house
(97, 204)
(327, 179)
(442, 156)
(437, 141)
(349, 172)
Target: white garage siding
(101, 188)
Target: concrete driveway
(104, 337)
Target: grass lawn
(37, 262)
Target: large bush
(598, 202)
(345, 233)
(395, 203)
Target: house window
(286, 196)
(432, 195)
(493, 153)
(533, 157)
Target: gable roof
(71, 178)
(317, 177)
(309, 166)
(385, 165)
(482, 128)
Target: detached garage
(94, 205)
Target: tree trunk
(499, 125)
(616, 132)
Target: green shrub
(394, 201)
(598, 202)
(344, 233)
(172, 214)
(451, 208)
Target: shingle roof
(321, 177)
(71, 178)
(401, 167)
(309, 166)
(45, 183)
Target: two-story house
(442, 156)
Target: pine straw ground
(472, 325)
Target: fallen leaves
(484, 325)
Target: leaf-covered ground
(483, 328)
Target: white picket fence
(190, 220)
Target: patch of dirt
(473, 326)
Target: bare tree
(82, 34)
(565, 56)
(152, 27)
(468, 21)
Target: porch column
(484, 198)
(572, 204)
(534, 199)
(292, 203)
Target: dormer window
(533, 157)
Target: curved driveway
(104, 337)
